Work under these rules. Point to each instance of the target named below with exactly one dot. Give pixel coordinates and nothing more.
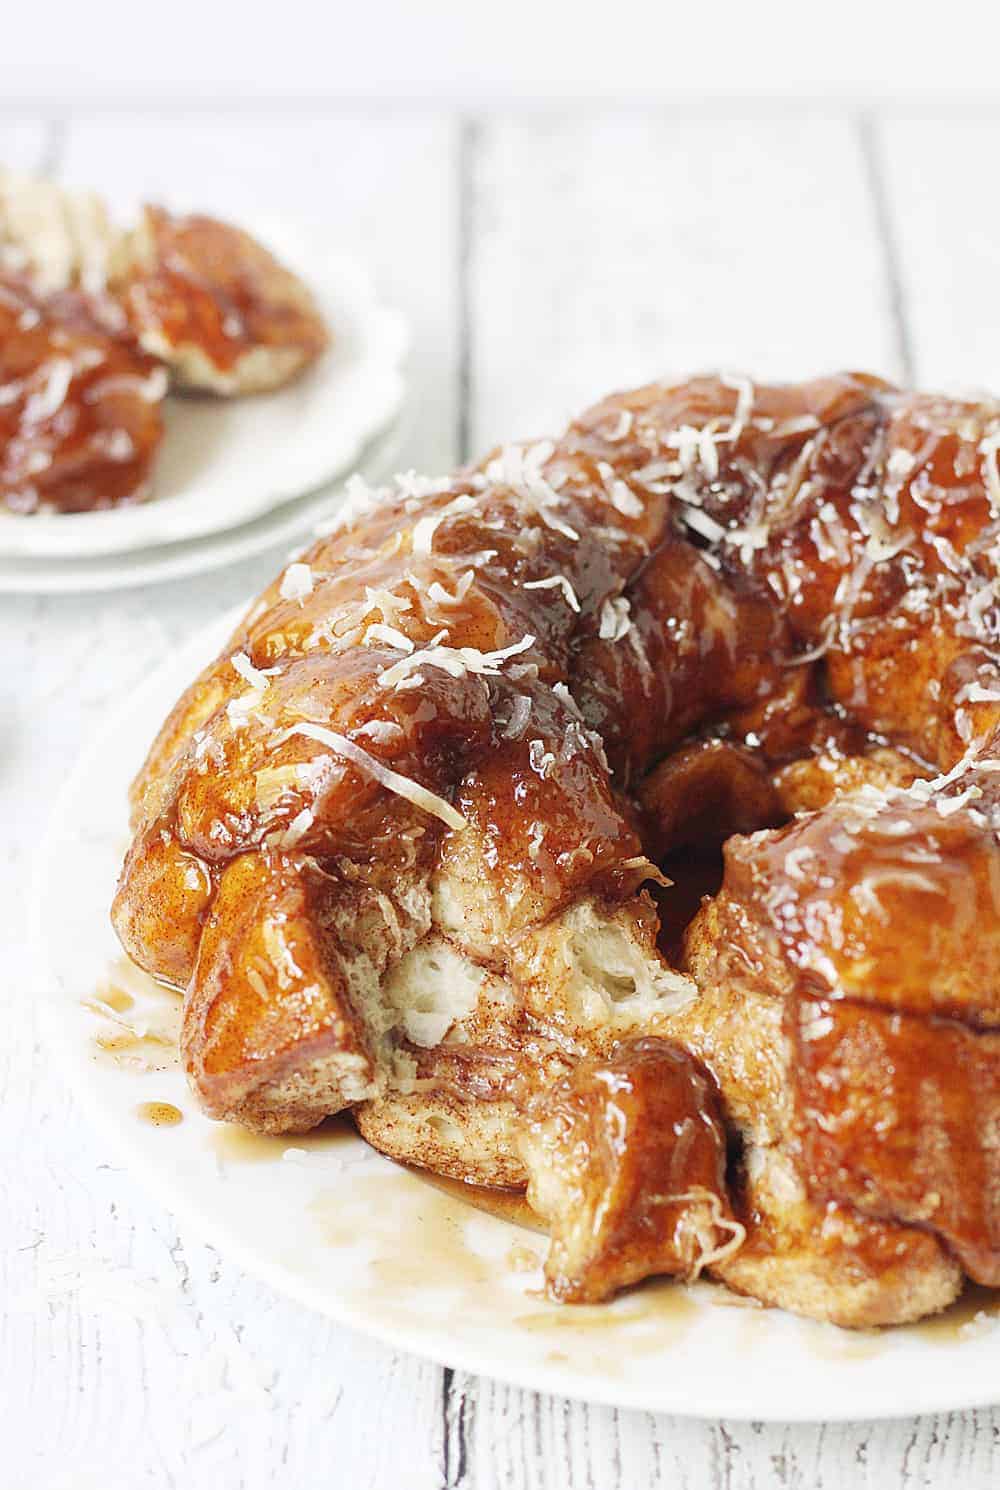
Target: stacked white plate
(237, 476)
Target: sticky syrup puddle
(139, 1020)
(424, 1237)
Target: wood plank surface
(542, 262)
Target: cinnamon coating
(471, 716)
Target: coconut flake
(49, 399)
(296, 830)
(564, 696)
(520, 467)
(948, 806)
(441, 596)
(541, 760)
(744, 405)
(296, 582)
(456, 661)
(555, 582)
(422, 537)
(988, 449)
(520, 713)
(402, 786)
(615, 620)
(901, 462)
(378, 632)
(387, 602)
(255, 676)
(700, 522)
(748, 539)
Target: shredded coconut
(403, 786)
(520, 713)
(255, 676)
(521, 468)
(296, 582)
(615, 620)
(456, 661)
(377, 632)
(555, 582)
(744, 405)
(422, 537)
(542, 760)
(700, 522)
(621, 429)
(441, 596)
(988, 449)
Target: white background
(207, 51)
(778, 189)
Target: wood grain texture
(938, 178)
(542, 261)
(624, 247)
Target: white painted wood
(940, 175)
(164, 1365)
(602, 253)
(627, 247)
(134, 1358)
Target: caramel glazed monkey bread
(618, 818)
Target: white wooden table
(543, 260)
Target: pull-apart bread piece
(403, 843)
(95, 323)
(203, 296)
(216, 306)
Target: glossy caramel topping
(898, 1117)
(626, 1158)
(80, 415)
(212, 292)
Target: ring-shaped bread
(402, 843)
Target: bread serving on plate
(87, 311)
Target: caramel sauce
(159, 1114)
(80, 415)
(958, 1321)
(506, 1205)
(416, 1230)
(140, 1019)
(137, 1052)
(239, 1146)
(667, 1307)
(118, 999)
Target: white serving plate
(225, 461)
(377, 1248)
(291, 522)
